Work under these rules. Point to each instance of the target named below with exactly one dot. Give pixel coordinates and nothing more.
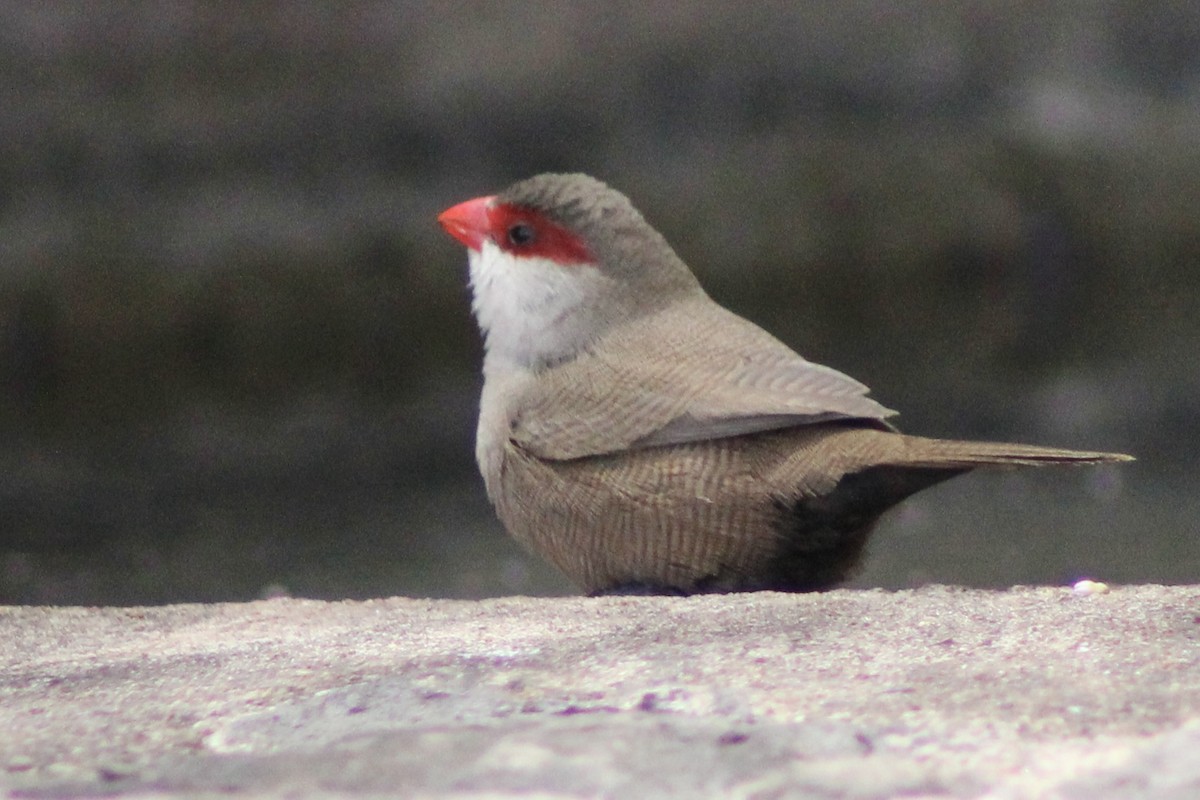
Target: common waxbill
(644, 439)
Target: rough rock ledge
(1030, 692)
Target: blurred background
(236, 353)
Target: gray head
(622, 242)
(557, 261)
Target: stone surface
(933, 692)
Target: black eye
(521, 233)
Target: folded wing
(692, 372)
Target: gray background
(236, 356)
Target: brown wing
(692, 372)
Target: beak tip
(468, 221)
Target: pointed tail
(943, 453)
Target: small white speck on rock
(1088, 587)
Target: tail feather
(943, 453)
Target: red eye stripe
(525, 232)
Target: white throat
(533, 311)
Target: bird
(643, 439)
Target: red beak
(468, 222)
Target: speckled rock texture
(937, 692)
